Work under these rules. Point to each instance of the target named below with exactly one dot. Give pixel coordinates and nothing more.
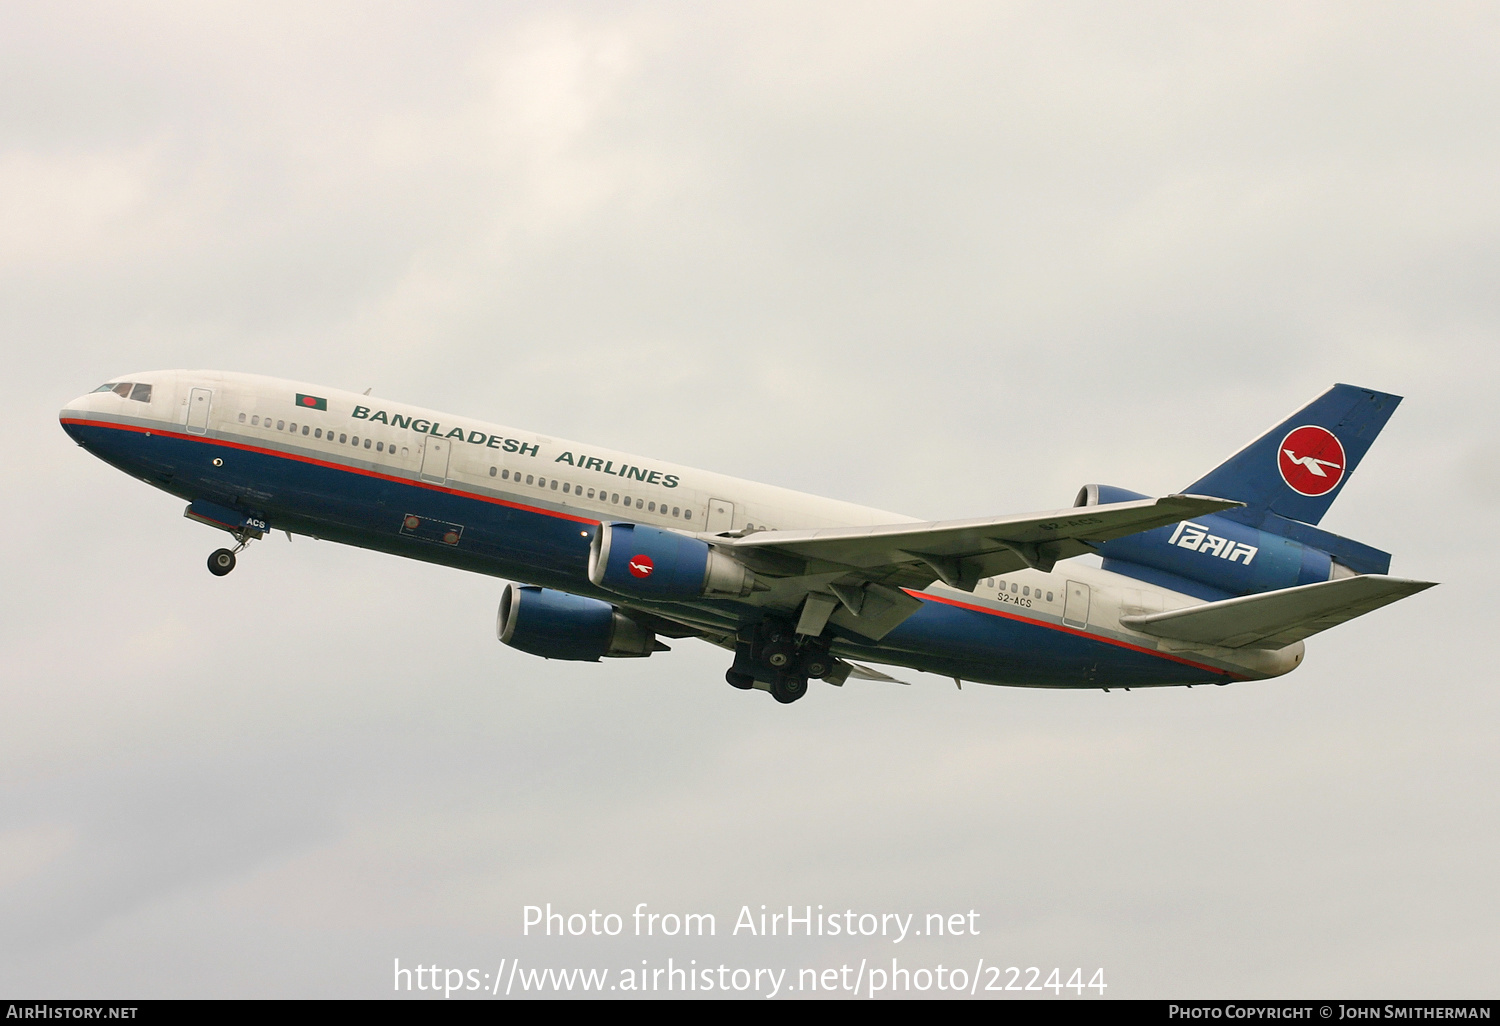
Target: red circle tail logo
(1311, 460)
(641, 566)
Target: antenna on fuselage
(369, 390)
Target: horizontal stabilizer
(1278, 618)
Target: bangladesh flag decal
(311, 402)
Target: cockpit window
(139, 391)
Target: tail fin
(1298, 468)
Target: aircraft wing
(961, 553)
(1277, 618)
(853, 576)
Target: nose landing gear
(221, 561)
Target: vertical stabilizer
(1298, 468)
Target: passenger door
(435, 453)
(1076, 605)
(199, 401)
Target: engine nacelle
(649, 562)
(1212, 556)
(556, 625)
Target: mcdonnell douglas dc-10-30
(609, 552)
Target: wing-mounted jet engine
(654, 563)
(556, 625)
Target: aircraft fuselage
(513, 504)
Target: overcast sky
(947, 260)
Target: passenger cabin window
(367, 443)
(281, 425)
(242, 418)
(304, 429)
(494, 471)
(342, 438)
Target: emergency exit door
(720, 516)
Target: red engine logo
(1311, 460)
(641, 566)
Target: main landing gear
(777, 659)
(221, 561)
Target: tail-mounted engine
(1212, 557)
(649, 562)
(556, 625)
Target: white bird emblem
(1312, 463)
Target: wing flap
(1278, 618)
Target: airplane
(607, 553)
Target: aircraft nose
(72, 415)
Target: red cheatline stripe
(325, 463)
(1069, 630)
